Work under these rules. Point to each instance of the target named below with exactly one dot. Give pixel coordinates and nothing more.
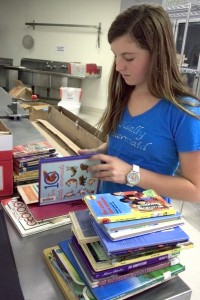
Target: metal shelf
(98, 27)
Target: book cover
(65, 179)
(171, 235)
(82, 226)
(32, 149)
(23, 220)
(71, 289)
(115, 226)
(100, 266)
(47, 212)
(119, 276)
(28, 192)
(130, 205)
(124, 288)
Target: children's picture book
(116, 226)
(119, 276)
(33, 149)
(82, 226)
(28, 192)
(125, 288)
(123, 206)
(65, 179)
(24, 221)
(175, 234)
(71, 289)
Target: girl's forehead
(125, 44)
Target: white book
(24, 221)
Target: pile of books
(26, 161)
(123, 244)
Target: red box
(6, 161)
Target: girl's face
(132, 62)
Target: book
(131, 232)
(70, 288)
(85, 233)
(47, 212)
(25, 175)
(23, 220)
(26, 161)
(25, 169)
(115, 226)
(175, 234)
(82, 226)
(65, 179)
(119, 276)
(125, 206)
(127, 287)
(28, 192)
(98, 263)
(33, 149)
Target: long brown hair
(150, 26)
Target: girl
(152, 118)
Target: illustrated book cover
(24, 221)
(65, 179)
(176, 234)
(29, 192)
(33, 149)
(130, 286)
(118, 276)
(123, 206)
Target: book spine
(26, 169)
(137, 272)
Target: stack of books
(120, 246)
(26, 161)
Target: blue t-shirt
(153, 139)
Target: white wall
(79, 44)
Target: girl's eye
(129, 59)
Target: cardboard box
(21, 91)
(6, 161)
(37, 110)
(74, 128)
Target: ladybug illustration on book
(50, 177)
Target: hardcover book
(130, 286)
(65, 179)
(26, 161)
(171, 235)
(25, 169)
(23, 220)
(129, 205)
(33, 149)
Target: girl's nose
(119, 65)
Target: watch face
(133, 178)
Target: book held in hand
(131, 205)
(64, 179)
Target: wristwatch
(133, 177)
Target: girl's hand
(111, 169)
